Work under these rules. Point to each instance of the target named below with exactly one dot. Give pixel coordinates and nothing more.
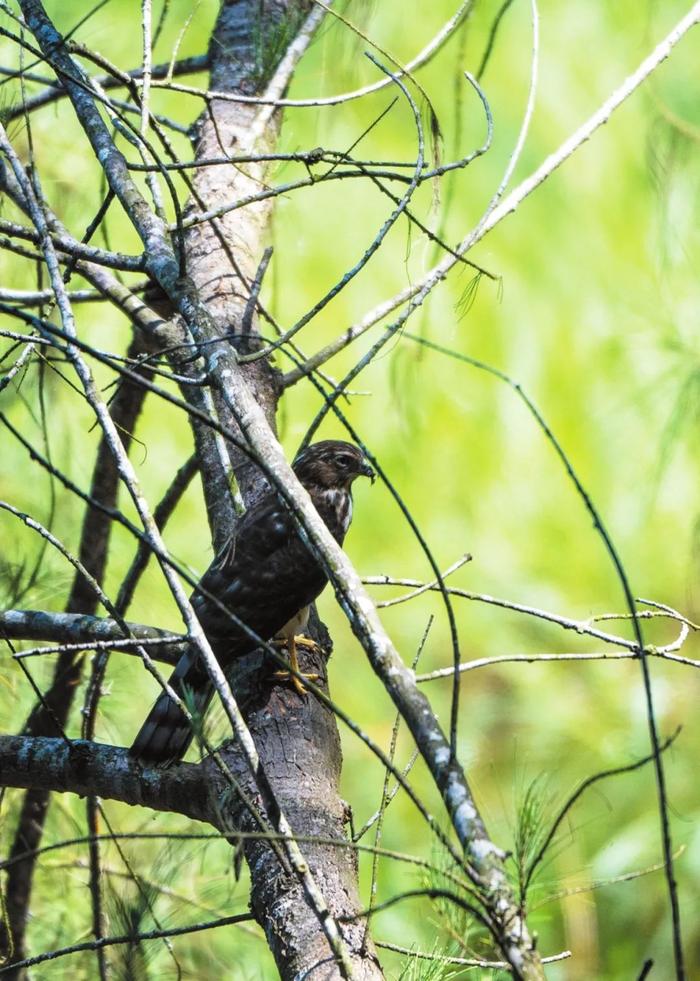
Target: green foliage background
(595, 314)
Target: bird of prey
(267, 577)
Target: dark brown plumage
(266, 577)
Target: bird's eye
(346, 460)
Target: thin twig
(128, 938)
(462, 961)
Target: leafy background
(594, 312)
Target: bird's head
(331, 463)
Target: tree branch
(83, 632)
(46, 764)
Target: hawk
(267, 576)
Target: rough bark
(83, 767)
(222, 254)
(299, 743)
(85, 631)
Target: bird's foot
(298, 640)
(297, 682)
(301, 640)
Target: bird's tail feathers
(167, 732)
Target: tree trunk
(297, 739)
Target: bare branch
(79, 631)
(81, 767)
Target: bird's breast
(336, 510)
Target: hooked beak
(367, 471)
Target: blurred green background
(594, 312)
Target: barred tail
(166, 734)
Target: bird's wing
(266, 578)
(262, 531)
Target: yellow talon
(292, 643)
(301, 640)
